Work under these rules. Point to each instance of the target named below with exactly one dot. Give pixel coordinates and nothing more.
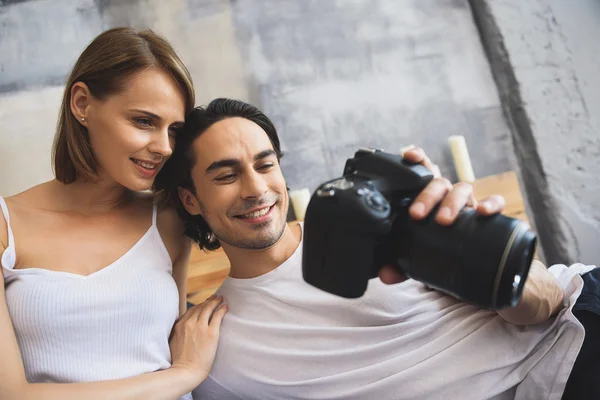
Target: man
(284, 339)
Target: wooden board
(505, 184)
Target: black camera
(359, 222)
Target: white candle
(300, 199)
(462, 161)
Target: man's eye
(224, 178)
(265, 167)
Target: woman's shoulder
(170, 227)
(28, 196)
(17, 204)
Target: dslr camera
(359, 222)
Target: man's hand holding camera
(542, 296)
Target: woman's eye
(143, 122)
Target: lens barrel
(481, 260)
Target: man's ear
(189, 201)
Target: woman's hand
(195, 338)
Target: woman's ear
(189, 201)
(80, 101)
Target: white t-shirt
(284, 339)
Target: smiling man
(284, 339)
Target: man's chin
(261, 240)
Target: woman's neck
(90, 198)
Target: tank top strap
(154, 212)
(7, 219)
(8, 258)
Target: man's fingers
(491, 205)
(389, 275)
(417, 155)
(429, 197)
(458, 198)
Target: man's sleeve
(210, 389)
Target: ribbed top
(114, 323)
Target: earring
(210, 237)
(82, 119)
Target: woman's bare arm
(193, 352)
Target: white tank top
(112, 324)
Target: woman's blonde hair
(105, 65)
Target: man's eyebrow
(264, 154)
(227, 162)
(234, 162)
(156, 117)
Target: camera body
(359, 222)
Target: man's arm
(541, 299)
(542, 296)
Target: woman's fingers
(208, 309)
(217, 317)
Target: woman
(94, 272)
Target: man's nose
(254, 186)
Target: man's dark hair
(177, 171)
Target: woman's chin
(138, 185)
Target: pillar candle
(460, 155)
(300, 199)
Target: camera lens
(482, 260)
(513, 269)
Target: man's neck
(247, 263)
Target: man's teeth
(145, 164)
(256, 214)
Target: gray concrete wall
(336, 75)
(333, 74)
(546, 60)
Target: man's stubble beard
(260, 243)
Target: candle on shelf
(300, 199)
(462, 161)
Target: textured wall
(337, 75)
(334, 75)
(40, 40)
(546, 60)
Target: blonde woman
(94, 272)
